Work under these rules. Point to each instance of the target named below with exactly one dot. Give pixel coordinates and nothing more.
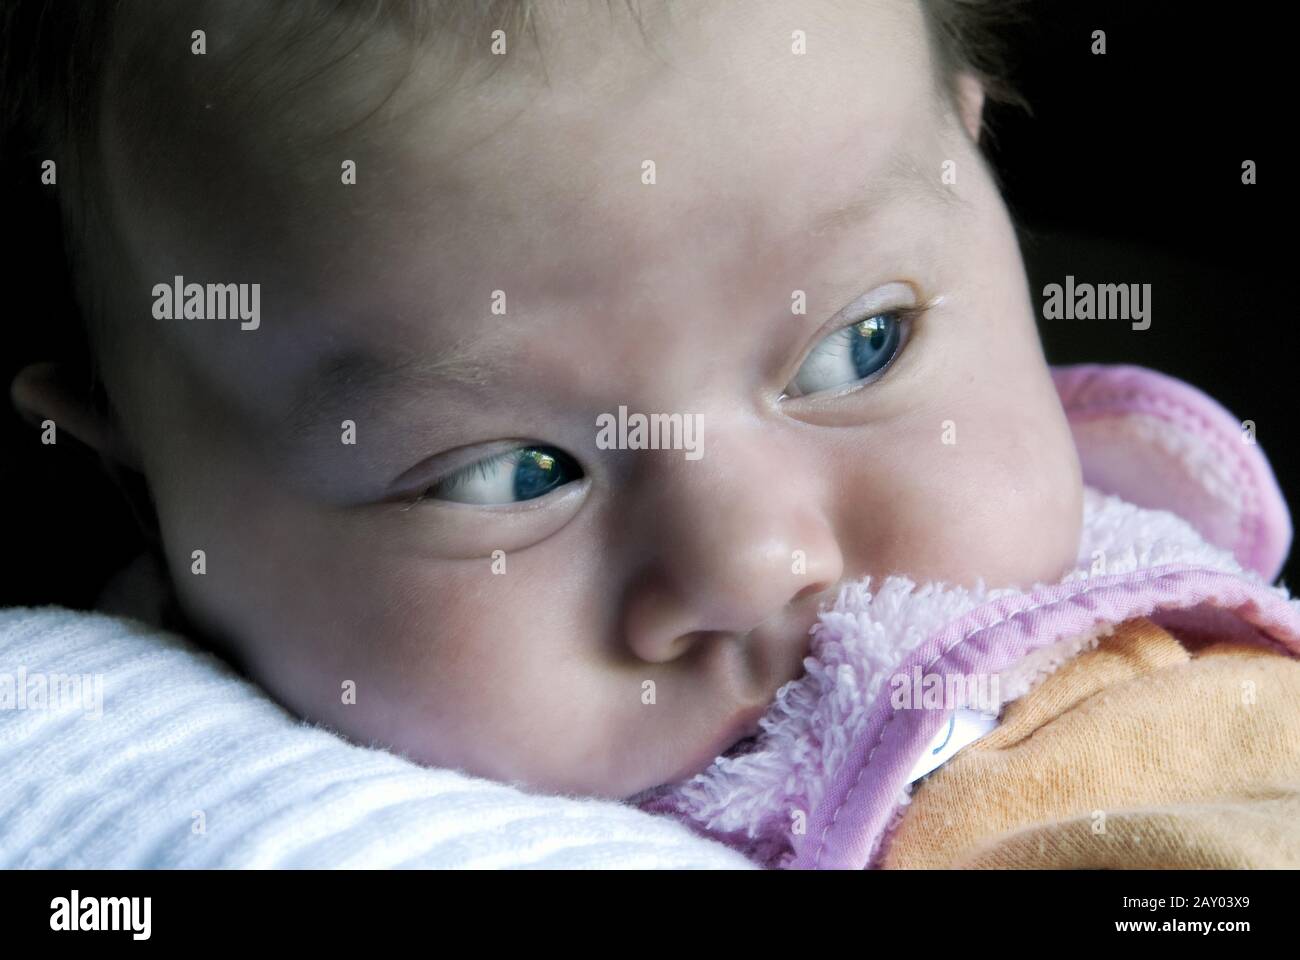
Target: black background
(1128, 171)
(351, 911)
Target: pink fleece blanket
(1183, 522)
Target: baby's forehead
(394, 238)
(270, 100)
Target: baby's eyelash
(488, 466)
(484, 467)
(905, 317)
(903, 314)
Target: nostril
(808, 591)
(698, 641)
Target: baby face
(479, 580)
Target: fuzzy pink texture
(1183, 521)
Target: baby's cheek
(1041, 523)
(478, 670)
(1023, 494)
(995, 498)
(502, 674)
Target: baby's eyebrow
(357, 381)
(901, 176)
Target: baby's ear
(65, 395)
(970, 104)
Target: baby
(368, 287)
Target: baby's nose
(731, 549)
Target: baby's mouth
(742, 746)
(749, 735)
(752, 732)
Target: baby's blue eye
(524, 473)
(855, 352)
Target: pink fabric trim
(846, 829)
(1261, 534)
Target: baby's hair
(53, 71)
(55, 52)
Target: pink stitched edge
(1129, 578)
(876, 847)
(1240, 463)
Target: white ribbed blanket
(185, 764)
